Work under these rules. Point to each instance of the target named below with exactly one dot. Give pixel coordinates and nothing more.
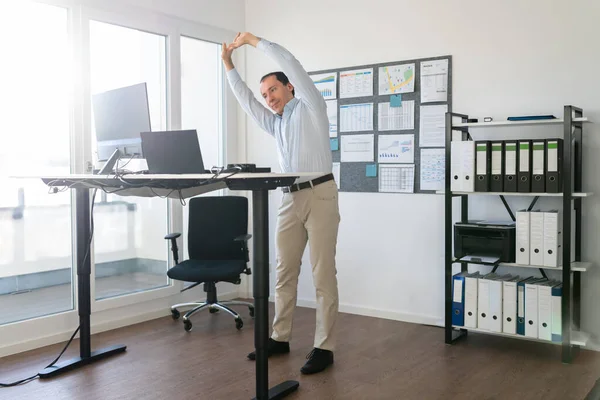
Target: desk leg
(86, 356)
(260, 220)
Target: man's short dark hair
(281, 77)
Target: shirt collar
(287, 109)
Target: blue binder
(521, 305)
(458, 299)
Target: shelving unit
(572, 196)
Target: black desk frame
(260, 213)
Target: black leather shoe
(273, 347)
(318, 360)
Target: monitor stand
(110, 164)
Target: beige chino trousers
(309, 215)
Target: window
(201, 104)
(201, 96)
(35, 226)
(130, 250)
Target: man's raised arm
(263, 117)
(290, 66)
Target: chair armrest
(173, 238)
(243, 238)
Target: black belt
(305, 185)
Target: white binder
(552, 238)
(509, 306)
(462, 166)
(531, 310)
(455, 166)
(522, 237)
(495, 307)
(468, 165)
(483, 303)
(545, 310)
(536, 238)
(471, 285)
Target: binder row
(530, 307)
(538, 238)
(529, 166)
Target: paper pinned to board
(358, 148)
(434, 81)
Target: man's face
(275, 93)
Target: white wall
(509, 58)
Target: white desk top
(240, 175)
(112, 184)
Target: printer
(486, 242)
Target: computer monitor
(120, 115)
(173, 152)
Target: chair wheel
(175, 314)
(239, 323)
(213, 310)
(251, 311)
(187, 325)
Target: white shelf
(516, 194)
(576, 266)
(577, 338)
(517, 123)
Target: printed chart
(326, 84)
(397, 178)
(397, 118)
(397, 79)
(356, 83)
(356, 117)
(396, 149)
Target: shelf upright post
(572, 182)
(577, 187)
(448, 233)
(450, 334)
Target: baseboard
(131, 319)
(378, 313)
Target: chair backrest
(213, 224)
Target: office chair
(218, 252)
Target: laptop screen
(172, 152)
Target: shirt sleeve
(299, 78)
(261, 115)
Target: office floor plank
(376, 359)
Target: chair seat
(207, 270)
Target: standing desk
(177, 187)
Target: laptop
(172, 152)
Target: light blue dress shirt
(302, 131)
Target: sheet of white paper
(434, 80)
(397, 178)
(433, 169)
(357, 148)
(432, 126)
(397, 79)
(458, 291)
(396, 149)
(326, 84)
(336, 173)
(332, 114)
(356, 83)
(397, 118)
(356, 117)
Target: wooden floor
(376, 359)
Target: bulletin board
(386, 124)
